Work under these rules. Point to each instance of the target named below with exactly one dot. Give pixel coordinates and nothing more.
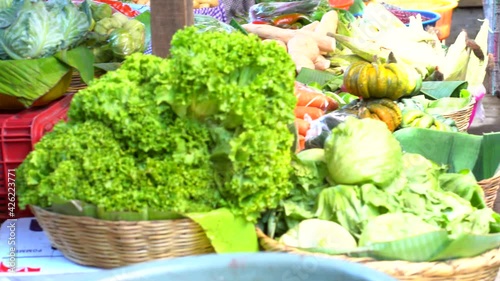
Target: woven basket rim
(463, 110)
(88, 219)
(486, 260)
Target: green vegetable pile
(114, 36)
(31, 29)
(363, 181)
(204, 129)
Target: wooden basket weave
(490, 187)
(462, 116)
(109, 244)
(481, 268)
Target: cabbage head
(34, 34)
(4, 4)
(42, 29)
(74, 23)
(8, 12)
(361, 151)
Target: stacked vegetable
(364, 182)
(311, 105)
(204, 129)
(39, 29)
(114, 36)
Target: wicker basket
(481, 268)
(462, 116)
(109, 244)
(490, 187)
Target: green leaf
(456, 150)
(108, 66)
(80, 58)
(237, 26)
(440, 89)
(309, 76)
(227, 233)
(28, 80)
(488, 163)
(468, 245)
(417, 248)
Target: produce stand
(89, 235)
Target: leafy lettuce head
(363, 151)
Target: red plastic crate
(18, 134)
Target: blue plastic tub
(229, 267)
(434, 17)
(239, 267)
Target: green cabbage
(34, 34)
(74, 23)
(4, 4)
(101, 11)
(363, 151)
(8, 12)
(42, 29)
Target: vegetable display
(186, 134)
(114, 36)
(40, 29)
(364, 182)
(289, 121)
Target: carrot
(308, 97)
(302, 143)
(302, 126)
(303, 111)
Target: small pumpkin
(390, 80)
(384, 110)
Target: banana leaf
(431, 246)
(310, 76)
(441, 89)
(458, 151)
(108, 66)
(488, 163)
(226, 232)
(418, 248)
(468, 245)
(28, 80)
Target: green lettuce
(394, 226)
(465, 185)
(363, 151)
